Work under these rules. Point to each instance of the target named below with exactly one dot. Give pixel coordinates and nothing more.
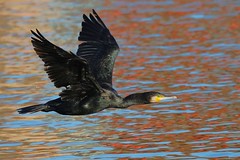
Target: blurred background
(186, 48)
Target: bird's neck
(134, 99)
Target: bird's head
(156, 97)
(145, 98)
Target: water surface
(185, 48)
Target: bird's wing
(64, 69)
(99, 47)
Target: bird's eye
(160, 96)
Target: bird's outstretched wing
(99, 47)
(64, 69)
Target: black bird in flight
(87, 75)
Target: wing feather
(99, 47)
(65, 69)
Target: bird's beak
(157, 99)
(166, 99)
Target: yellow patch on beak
(156, 99)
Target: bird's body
(91, 104)
(86, 76)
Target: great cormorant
(87, 75)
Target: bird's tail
(32, 109)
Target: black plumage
(99, 48)
(87, 76)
